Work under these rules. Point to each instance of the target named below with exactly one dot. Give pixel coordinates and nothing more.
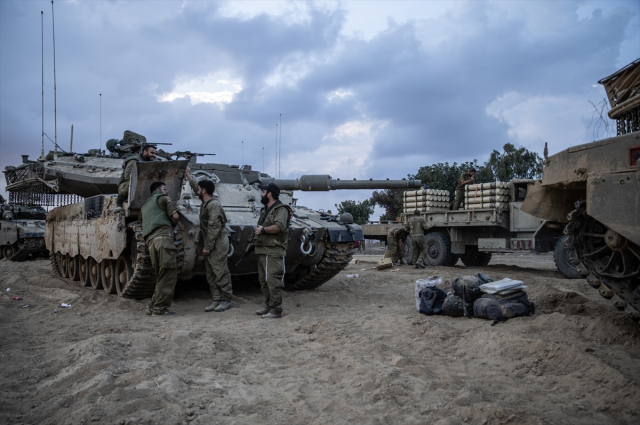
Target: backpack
(467, 288)
(503, 307)
(454, 306)
(431, 300)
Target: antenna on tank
(263, 157)
(100, 141)
(280, 153)
(42, 157)
(276, 173)
(243, 153)
(55, 105)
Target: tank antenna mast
(100, 141)
(42, 157)
(55, 105)
(280, 154)
(276, 173)
(263, 157)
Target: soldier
(148, 154)
(396, 239)
(417, 227)
(465, 179)
(271, 237)
(158, 216)
(216, 244)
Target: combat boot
(421, 264)
(262, 311)
(402, 263)
(271, 316)
(213, 306)
(397, 264)
(224, 305)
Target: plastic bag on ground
(505, 284)
(428, 282)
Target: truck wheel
(561, 257)
(438, 248)
(8, 251)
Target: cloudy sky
(366, 89)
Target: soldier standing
(271, 238)
(465, 179)
(158, 216)
(417, 227)
(148, 154)
(216, 243)
(396, 239)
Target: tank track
(628, 295)
(335, 258)
(55, 266)
(142, 282)
(29, 246)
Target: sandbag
(431, 301)
(454, 307)
(501, 308)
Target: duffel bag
(454, 306)
(431, 301)
(501, 308)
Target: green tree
(361, 211)
(514, 164)
(444, 176)
(390, 200)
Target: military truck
(21, 231)
(473, 234)
(594, 189)
(92, 242)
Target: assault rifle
(249, 249)
(187, 154)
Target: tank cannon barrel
(323, 182)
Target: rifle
(249, 249)
(187, 154)
(329, 217)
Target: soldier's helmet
(111, 143)
(346, 218)
(416, 212)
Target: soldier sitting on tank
(396, 239)
(158, 216)
(465, 179)
(216, 243)
(148, 153)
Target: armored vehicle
(595, 189)
(473, 233)
(92, 242)
(21, 231)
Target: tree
(514, 164)
(390, 200)
(361, 211)
(446, 177)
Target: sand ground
(354, 351)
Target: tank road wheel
(438, 248)
(561, 257)
(83, 268)
(63, 260)
(95, 277)
(336, 256)
(108, 276)
(609, 261)
(73, 269)
(124, 272)
(474, 258)
(1, 253)
(9, 251)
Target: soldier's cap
(271, 187)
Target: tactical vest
(279, 239)
(136, 158)
(152, 215)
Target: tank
(594, 189)
(21, 231)
(91, 242)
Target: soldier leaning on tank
(148, 154)
(271, 238)
(396, 239)
(158, 216)
(417, 226)
(216, 243)
(465, 179)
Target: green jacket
(417, 225)
(274, 244)
(463, 178)
(127, 165)
(155, 216)
(401, 235)
(212, 219)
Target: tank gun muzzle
(323, 183)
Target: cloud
(207, 89)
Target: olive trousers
(418, 248)
(271, 270)
(217, 267)
(162, 251)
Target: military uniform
(460, 190)
(395, 242)
(271, 250)
(125, 178)
(216, 241)
(417, 226)
(158, 235)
